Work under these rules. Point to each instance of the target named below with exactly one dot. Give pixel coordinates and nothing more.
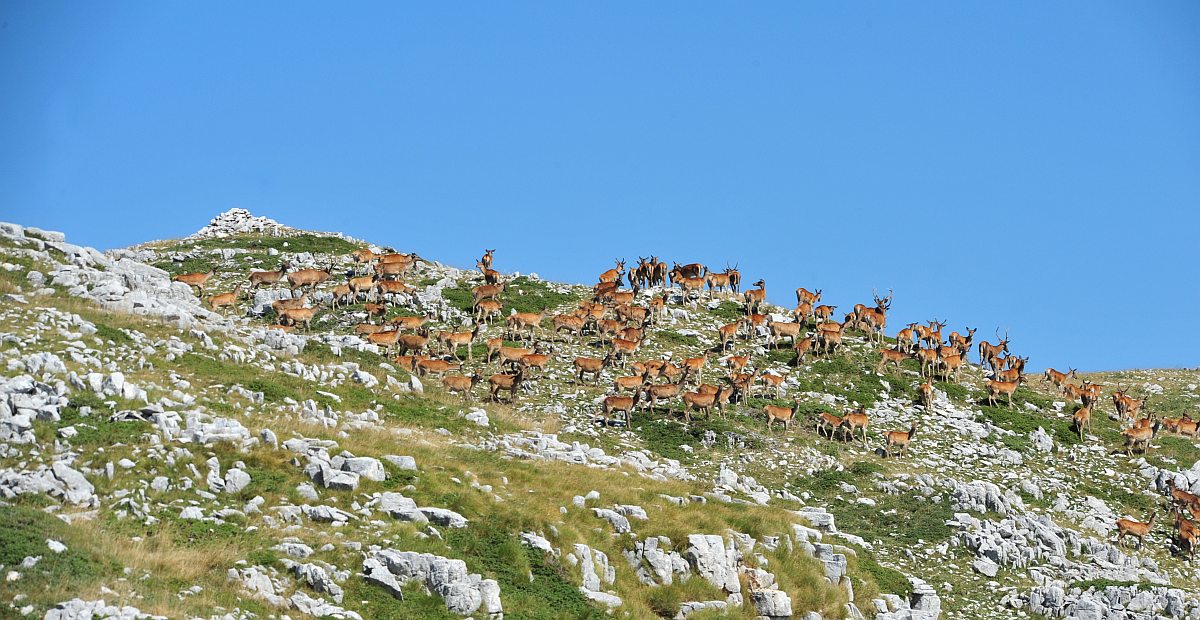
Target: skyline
(1027, 166)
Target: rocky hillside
(159, 458)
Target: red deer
(1017, 369)
(341, 295)
(493, 348)
(779, 331)
(461, 385)
(616, 403)
(614, 275)
(961, 342)
(1139, 435)
(906, 339)
(695, 401)
(639, 277)
(828, 422)
(1006, 388)
(225, 300)
(633, 383)
(280, 305)
(490, 276)
(622, 349)
(519, 322)
(717, 282)
(592, 366)
(385, 339)
(989, 353)
(805, 296)
(570, 323)
(853, 421)
(822, 313)
(658, 272)
(691, 270)
(695, 365)
(378, 310)
(1058, 378)
(664, 392)
(437, 368)
(1180, 498)
(1083, 420)
(1126, 405)
(632, 314)
(658, 306)
(454, 340)
(899, 439)
(513, 355)
(510, 382)
(362, 329)
(309, 278)
(486, 260)
(259, 278)
(784, 415)
(876, 318)
(295, 316)
(926, 394)
(755, 296)
(890, 356)
(196, 280)
(774, 382)
(408, 322)
(486, 291)
(802, 348)
(537, 361)
(412, 342)
(1188, 534)
(486, 309)
(737, 363)
(1136, 529)
(803, 312)
(689, 286)
(931, 335)
(361, 286)
(392, 288)
(952, 363)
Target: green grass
(1100, 584)
(109, 333)
(886, 579)
(1023, 422)
(306, 242)
(666, 437)
(23, 532)
(491, 549)
(668, 337)
(728, 311)
(525, 295)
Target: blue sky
(1033, 166)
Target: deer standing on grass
(308, 278)
(295, 316)
(1188, 535)
(509, 382)
(196, 280)
(1126, 405)
(458, 384)
(1139, 435)
(755, 296)
(1058, 378)
(1005, 388)
(623, 404)
(827, 422)
(1136, 529)
(1082, 420)
(784, 415)
(454, 340)
(591, 366)
(856, 420)
(989, 353)
(779, 331)
(890, 356)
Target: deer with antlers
(875, 318)
(196, 280)
(1126, 405)
(614, 275)
(989, 353)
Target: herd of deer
(613, 316)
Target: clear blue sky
(1029, 165)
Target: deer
(493, 346)
(658, 272)
(696, 401)
(458, 384)
(280, 305)
(961, 342)
(1188, 535)
(536, 361)
(658, 306)
(225, 300)
(490, 276)
(454, 340)
(378, 310)
(1126, 405)
(689, 286)
(614, 275)
(634, 383)
(856, 420)
(828, 340)
(737, 363)
(1058, 378)
(906, 339)
(510, 382)
(803, 312)
(662, 391)
(930, 335)
(639, 276)
(717, 282)
(412, 342)
(1017, 369)
(1139, 435)
(259, 278)
(802, 347)
(361, 286)
(569, 323)
(828, 422)
(308, 278)
(512, 355)
(408, 322)
(779, 331)
(392, 288)
(519, 322)
(1083, 420)
(925, 394)
(691, 270)
(929, 360)
(890, 356)
(362, 329)
(437, 368)
(756, 296)
(393, 269)
(899, 439)
(632, 314)
(622, 349)
(1006, 388)
(617, 403)
(952, 363)
(784, 415)
(486, 291)
(805, 296)
(735, 278)
(772, 381)
(486, 259)
(1136, 529)
(341, 295)
(486, 310)
(1180, 498)
(296, 316)
(695, 365)
(592, 366)
(363, 256)
(876, 318)
(196, 280)
(989, 353)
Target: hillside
(160, 458)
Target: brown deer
(998, 388)
(536, 361)
(925, 394)
(1139, 435)
(1083, 420)
(259, 278)
(802, 347)
(341, 295)
(280, 305)
(805, 296)
(1058, 378)
(295, 316)
(616, 403)
(779, 331)
(486, 291)
(856, 420)
(614, 275)
(490, 276)
(1126, 405)
(784, 415)
(827, 422)
(662, 391)
(961, 342)
(756, 296)
(899, 439)
(488, 257)
(1188, 534)
(989, 353)
(486, 310)
(519, 322)
(454, 340)
(458, 384)
(437, 368)
(196, 280)
(823, 312)
(592, 366)
(225, 300)
(695, 366)
(308, 278)
(1136, 529)
(510, 382)
(890, 356)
